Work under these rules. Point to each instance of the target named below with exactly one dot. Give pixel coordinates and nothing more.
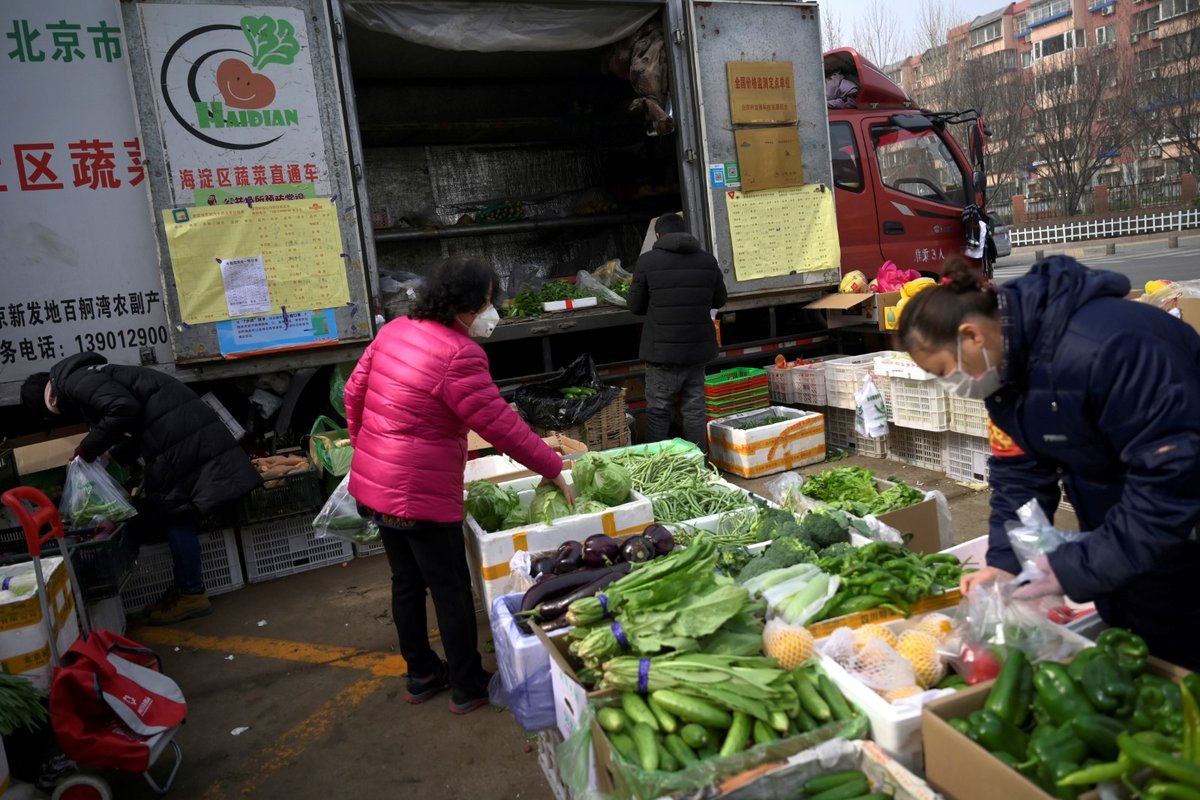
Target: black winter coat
(674, 286)
(192, 463)
(1104, 394)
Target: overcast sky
(902, 13)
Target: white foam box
(570, 697)
(712, 522)
(25, 633)
(521, 658)
(796, 442)
(488, 554)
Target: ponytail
(932, 317)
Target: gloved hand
(1045, 585)
(84, 454)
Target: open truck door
(253, 193)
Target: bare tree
(1168, 106)
(934, 22)
(876, 35)
(831, 28)
(1078, 116)
(993, 85)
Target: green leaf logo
(272, 41)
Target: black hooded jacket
(674, 286)
(192, 463)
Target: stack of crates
(917, 448)
(733, 391)
(803, 384)
(844, 377)
(967, 443)
(840, 435)
(915, 397)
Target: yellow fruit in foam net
(892, 695)
(874, 630)
(936, 625)
(791, 646)
(921, 650)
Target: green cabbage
(489, 504)
(597, 478)
(516, 518)
(590, 506)
(549, 504)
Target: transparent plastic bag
(1034, 536)
(990, 617)
(875, 663)
(91, 496)
(339, 518)
(522, 679)
(787, 492)
(591, 286)
(520, 573)
(870, 411)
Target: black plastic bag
(543, 405)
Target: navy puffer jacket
(1103, 394)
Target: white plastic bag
(876, 663)
(870, 411)
(91, 496)
(1034, 536)
(340, 519)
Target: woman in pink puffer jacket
(416, 392)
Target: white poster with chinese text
(78, 260)
(237, 102)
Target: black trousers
(430, 556)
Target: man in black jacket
(192, 465)
(675, 286)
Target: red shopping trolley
(111, 707)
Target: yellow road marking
(292, 744)
(381, 665)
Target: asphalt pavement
(1142, 258)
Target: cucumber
(666, 761)
(691, 709)
(693, 735)
(711, 748)
(763, 734)
(874, 796)
(647, 746)
(837, 703)
(666, 721)
(624, 746)
(810, 699)
(638, 712)
(855, 787)
(804, 722)
(678, 748)
(738, 736)
(831, 780)
(610, 719)
(779, 721)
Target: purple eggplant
(553, 609)
(569, 558)
(599, 550)
(637, 549)
(558, 585)
(544, 567)
(664, 542)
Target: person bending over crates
(675, 287)
(192, 465)
(421, 385)
(1102, 393)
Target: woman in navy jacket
(1085, 387)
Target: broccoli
(784, 552)
(775, 523)
(824, 529)
(837, 550)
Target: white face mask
(961, 384)
(484, 323)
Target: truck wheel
(82, 786)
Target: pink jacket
(415, 393)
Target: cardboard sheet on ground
(782, 231)
(299, 241)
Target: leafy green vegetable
(853, 489)
(548, 504)
(761, 423)
(899, 496)
(598, 478)
(516, 518)
(589, 506)
(621, 286)
(490, 504)
(528, 303)
(21, 705)
(272, 41)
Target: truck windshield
(918, 164)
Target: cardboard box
(38, 453)
(500, 469)
(796, 442)
(962, 770)
(1190, 306)
(25, 633)
(859, 308)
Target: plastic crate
(283, 497)
(804, 384)
(918, 448)
(368, 550)
(840, 435)
(712, 412)
(967, 457)
(102, 563)
(968, 416)
(604, 430)
(287, 546)
(779, 381)
(844, 377)
(731, 381)
(919, 404)
(155, 572)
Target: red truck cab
(902, 182)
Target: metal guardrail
(1105, 228)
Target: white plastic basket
(840, 435)
(844, 377)
(368, 550)
(968, 416)
(154, 573)
(919, 404)
(287, 546)
(926, 449)
(804, 384)
(967, 457)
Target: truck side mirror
(912, 123)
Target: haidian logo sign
(231, 95)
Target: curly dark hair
(931, 318)
(462, 285)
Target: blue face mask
(961, 384)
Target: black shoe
(465, 702)
(421, 689)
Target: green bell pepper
(997, 734)
(1126, 647)
(1100, 733)
(1081, 660)
(1060, 696)
(1158, 706)
(1057, 753)
(1189, 689)
(1109, 688)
